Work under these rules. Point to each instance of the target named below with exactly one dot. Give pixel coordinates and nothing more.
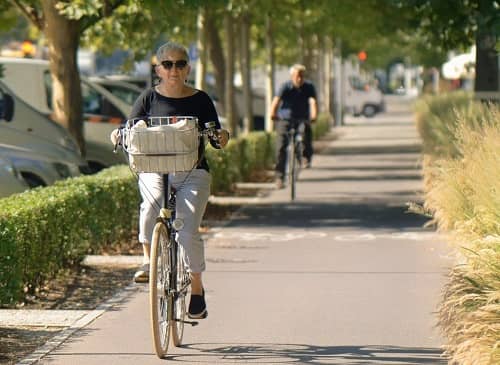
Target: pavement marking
(297, 235)
(267, 236)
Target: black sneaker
(197, 306)
(142, 275)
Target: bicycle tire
(292, 166)
(160, 297)
(179, 307)
(299, 151)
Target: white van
(41, 150)
(360, 98)
(31, 80)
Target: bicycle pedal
(192, 323)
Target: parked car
(360, 98)
(141, 82)
(38, 169)
(31, 80)
(41, 150)
(11, 181)
(123, 90)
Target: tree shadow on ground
(269, 353)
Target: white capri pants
(193, 190)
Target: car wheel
(32, 180)
(369, 111)
(94, 167)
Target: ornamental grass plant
(463, 194)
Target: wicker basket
(163, 148)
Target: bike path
(343, 275)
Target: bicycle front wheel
(160, 295)
(179, 308)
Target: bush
(438, 118)
(46, 229)
(463, 193)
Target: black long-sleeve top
(152, 104)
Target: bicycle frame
(169, 279)
(294, 156)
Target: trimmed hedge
(47, 229)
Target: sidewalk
(343, 275)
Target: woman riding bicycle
(172, 97)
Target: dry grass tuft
(470, 311)
(462, 182)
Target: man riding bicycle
(295, 103)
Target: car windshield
(357, 84)
(127, 95)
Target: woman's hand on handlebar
(222, 136)
(115, 138)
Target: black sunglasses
(178, 64)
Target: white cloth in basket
(164, 148)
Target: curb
(62, 336)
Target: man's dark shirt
(295, 101)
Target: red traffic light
(362, 56)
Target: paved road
(341, 276)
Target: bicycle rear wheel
(179, 307)
(292, 163)
(160, 294)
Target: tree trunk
(325, 76)
(217, 59)
(246, 73)
(270, 66)
(229, 92)
(63, 36)
(301, 41)
(487, 85)
(201, 45)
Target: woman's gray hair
(297, 67)
(169, 47)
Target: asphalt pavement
(342, 275)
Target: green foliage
(452, 24)
(157, 23)
(437, 120)
(321, 126)
(239, 159)
(46, 229)
(224, 166)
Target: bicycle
(294, 154)
(169, 279)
